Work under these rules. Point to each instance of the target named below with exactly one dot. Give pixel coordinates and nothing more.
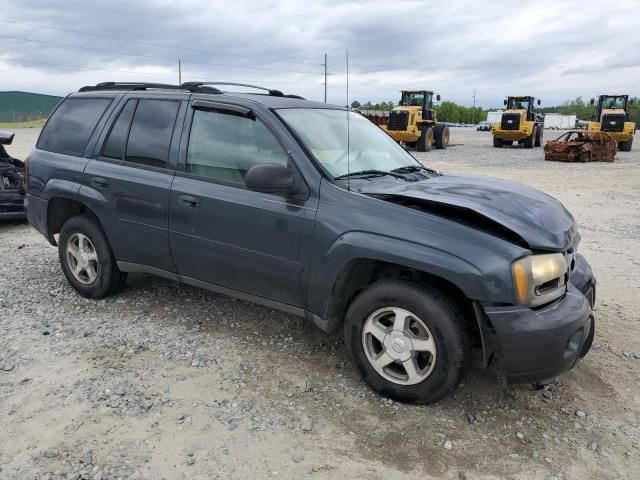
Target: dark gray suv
(313, 210)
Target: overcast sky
(555, 50)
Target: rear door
(223, 234)
(130, 179)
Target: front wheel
(87, 260)
(625, 146)
(539, 135)
(425, 142)
(408, 341)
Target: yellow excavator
(611, 116)
(414, 122)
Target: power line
(166, 75)
(143, 42)
(87, 68)
(154, 57)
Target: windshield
(324, 133)
(613, 102)
(518, 104)
(416, 99)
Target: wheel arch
(62, 208)
(359, 273)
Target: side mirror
(505, 101)
(593, 101)
(438, 97)
(538, 101)
(270, 178)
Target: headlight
(540, 279)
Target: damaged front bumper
(539, 344)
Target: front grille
(612, 122)
(510, 121)
(398, 120)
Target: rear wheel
(441, 136)
(87, 260)
(425, 142)
(497, 142)
(625, 146)
(408, 341)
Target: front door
(223, 234)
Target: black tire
(507, 143)
(441, 136)
(530, 141)
(497, 142)
(625, 146)
(445, 322)
(539, 135)
(425, 142)
(109, 278)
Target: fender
(57, 188)
(475, 283)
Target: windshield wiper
(372, 173)
(413, 168)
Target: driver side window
(224, 146)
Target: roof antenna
(348, 115)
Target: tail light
(25, 175)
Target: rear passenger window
(114, 146)
(224, 146)
(70, 127)
(151, 132)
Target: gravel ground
(169, 381)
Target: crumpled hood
(540, 220)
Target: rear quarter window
(70, 127)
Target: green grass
(32, 124)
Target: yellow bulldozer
(519, 123)
(414, 122)
(611, 116)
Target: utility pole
(179, 72)
(325, 78)
(473, 112)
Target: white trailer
(493, 117)
(568, 122)
(552, 121)
(557, 121)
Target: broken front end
(11, 182)
(581, 146)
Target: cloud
(555, 50)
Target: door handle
(99, 182)
(189, 201)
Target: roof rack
(144, 86)
(199, 87)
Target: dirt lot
(168, 381)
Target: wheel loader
(519, 123)
(414, 122)
(611, 116)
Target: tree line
(452, 112)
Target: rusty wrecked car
(581, 146)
